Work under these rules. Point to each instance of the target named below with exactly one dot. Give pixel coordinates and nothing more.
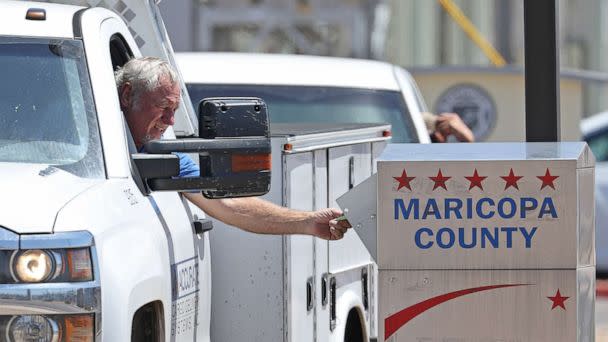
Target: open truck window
(47, 115)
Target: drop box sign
(531, 210)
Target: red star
(558, 300)
(476, 180)
(511, 180)
(439, 180)
(404, 180)
(547, 180)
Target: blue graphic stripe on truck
(171, 259)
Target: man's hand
(451, 124)
(323, 224)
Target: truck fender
(139, 298)
(132, 277)
(348, 300)
(139, 294)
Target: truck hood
(31, 195)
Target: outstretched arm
(262, 217)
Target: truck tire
(354, 331)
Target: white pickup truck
(97, 244)
(89, 250)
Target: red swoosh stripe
(399, 319)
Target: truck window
(288, 104)
(47, 114)
(119, 51)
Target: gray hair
(144, 74)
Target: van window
(47, 114)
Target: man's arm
(441, 126)
(262, 217)
(451, 124)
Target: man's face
(149, 116)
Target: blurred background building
(411, 33)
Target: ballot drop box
(481, 242)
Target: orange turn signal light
(287, 147)
(250, 162)
(79, 328)
(79, 264)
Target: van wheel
(148, 323)
(354, 332)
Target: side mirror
(233, 148)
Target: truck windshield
(321, 104)
(47, 114)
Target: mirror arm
(156, 165)
(224, 183)
(249, 145)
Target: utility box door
(298, 178)
(321, 250)
(377, 149)
(347, 167)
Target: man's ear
(125, 96)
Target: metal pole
(541, 70)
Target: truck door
(348, 166)
(300, 278)
(321, 250)
(114, 44)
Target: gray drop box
(481, 242)
(500, 206)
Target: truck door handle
(351, 172)
(309, 294)
(324, 289)
(201, 226)
(365, 294)
(332, 304)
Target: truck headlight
(32, 266)
(33, 328)
(47, 328)
(56, 265)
